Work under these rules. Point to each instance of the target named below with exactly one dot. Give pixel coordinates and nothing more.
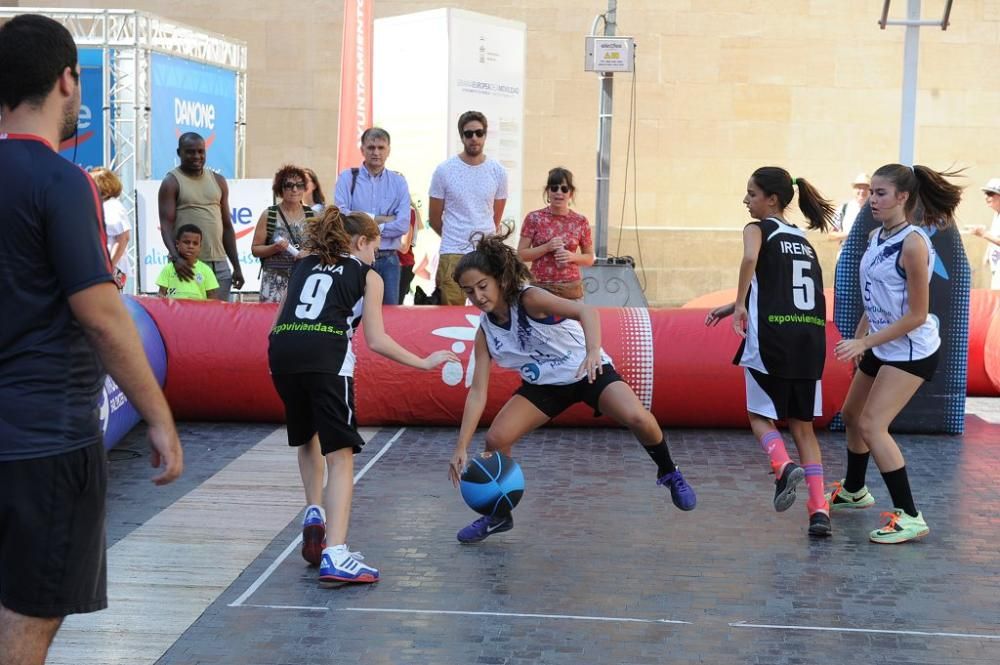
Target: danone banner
(87, 147)
(192, 97)
(247, 200)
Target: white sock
(317, 507)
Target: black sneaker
(819, 525)
(784, 487)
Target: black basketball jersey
(786, 323)
(322, 310)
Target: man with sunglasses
(468, 194)
(190, 194)
(65, 326)
(384, 195)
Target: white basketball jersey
(886, 300)
(545, 352)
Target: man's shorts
(451, 292)
(319, 403)
(779, 399)
(553, 400)
(924, 368)
(52, 546)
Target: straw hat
(862, 179)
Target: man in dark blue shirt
(64, 326)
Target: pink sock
(814, 481)
(774, 446)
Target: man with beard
(467, 197)
(190, 194)
(65, 325)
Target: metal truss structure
(127, 39)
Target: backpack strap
(354, 181)
(272, 220)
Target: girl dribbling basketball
(556, 345)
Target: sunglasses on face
(293, 185)
(478, 133)
(559, 188)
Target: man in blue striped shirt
(383, 194)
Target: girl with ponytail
(896, 342)
(780, 314)
(556, 345)
(331, 288)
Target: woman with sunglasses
(278, 235)
(556, 240)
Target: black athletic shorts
(323, 403)
(553, 400)
(779, 399)
(52, 546)
(924, 368)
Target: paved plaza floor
(599, 568)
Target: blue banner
(89, 140)
(192, 97)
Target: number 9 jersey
(786, 308)
(321, 311)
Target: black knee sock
(899, 489)
(857, 467)
(661, 455)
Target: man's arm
(498, 206)
(342, 192)
(229, 234)
(112, 333)
(168, 219)
(435, 210)
(398, 222)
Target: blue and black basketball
(492, 484)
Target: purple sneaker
(485, 526)
(680, 492)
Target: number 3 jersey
(322, 309)
(786, 308)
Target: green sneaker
(900, 528)
(841, 499)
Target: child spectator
(204, 284)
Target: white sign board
(610, 54)
(430, 67)
(247, 200)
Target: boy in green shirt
(204, 284)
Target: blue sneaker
(340, 565)
(485, 526)
(313, 535)
(680, 492)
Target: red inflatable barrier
(983, 304)
(217, 366)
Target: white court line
(919, 633)
(573, 617)
(298, 539)
(519, 615)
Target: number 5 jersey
(322, 309)
(786, 308)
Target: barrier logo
(452, 372)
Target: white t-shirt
(992, 256)
(115, 224)
(468, 193)
(848, 213)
